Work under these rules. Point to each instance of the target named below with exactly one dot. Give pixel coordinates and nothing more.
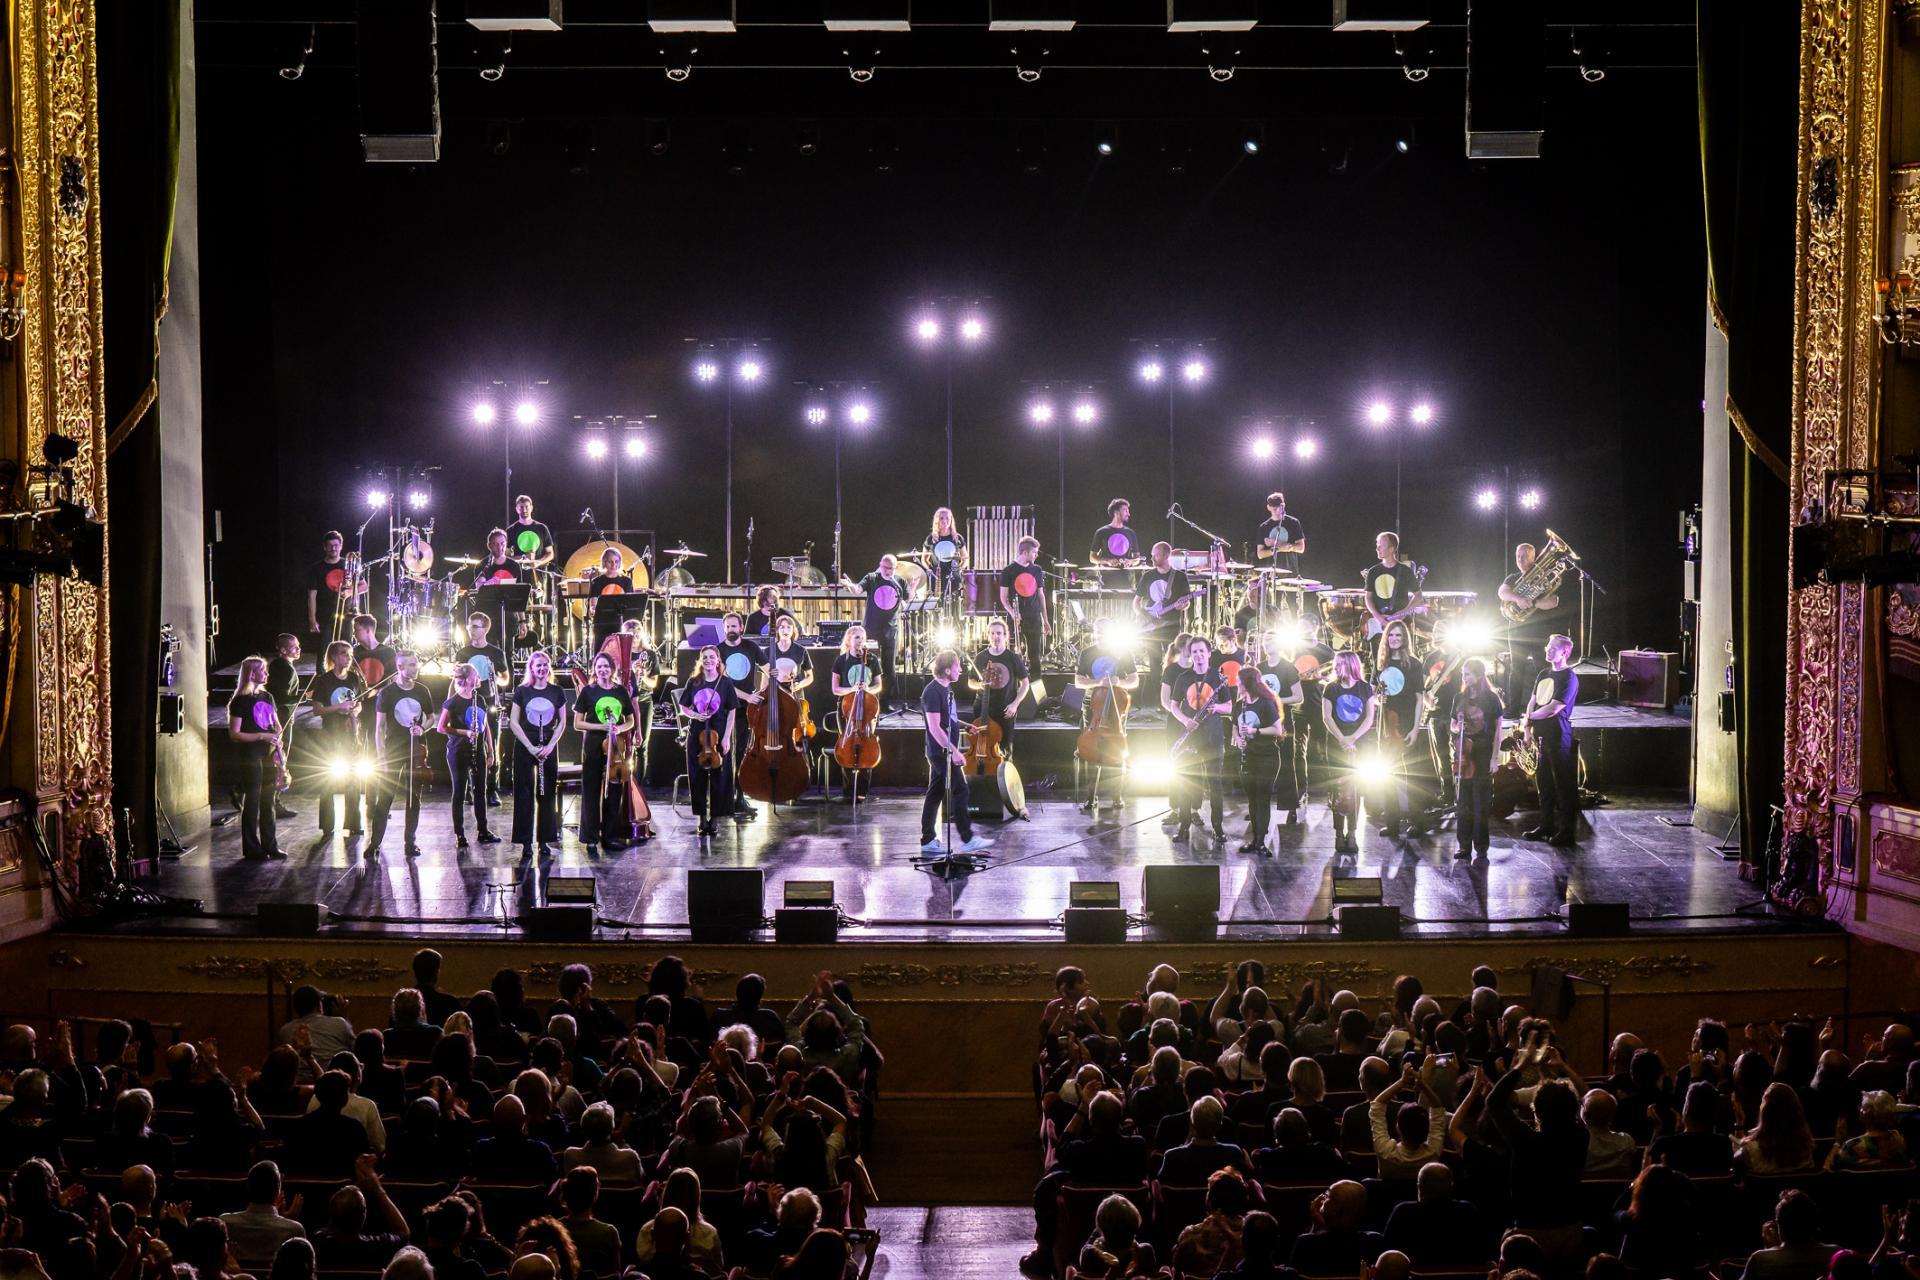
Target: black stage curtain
(138, 55)
(1749, 148)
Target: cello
(774, 768)
(1103, 742)
(859, 743)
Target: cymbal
(916, 554)
(683, 552)
(468, 561)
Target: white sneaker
(976, 844)
(934, 847)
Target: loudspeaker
(725, 905)
(1357, 891)
(1506, 79)
(570, 885)
(1096, 924)
(1649, 678)
(558, 924)
(287, 919)
(1183, 901)
(806, 924)
(1598, 920)
(399, 80)
(1369, 924)
(983, 800)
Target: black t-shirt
(489, 662)
(1444, 692)
(607, 584)
(283, 682)
(943, 551)
(761, 623)
(739, 663)
(993, 702)
(1556, 686)
(529, 539)
(328, 580)
(1161, 587)
(489, 574)
(1538, 622)
(715, 700)
(1114, 543)
(254, 713)
(853, 671)
(603, 706)
(375, 664)
(1278, 533)
(1254, 714)
(1391, 590)
(1193, 692)
(330, 690)
(1102, 664)
(1027, 587)
(884, 597)
(1400, 681)
(1480, 720)
(463, 713)
(937, 704)
(790, 664)
(1348, 703)
(1282, 677)
(543, 711)
(1310, 661)
(401, 709)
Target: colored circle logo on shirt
(482, 666)
(476, 718)
(997, 676)
(1199, 694)
(1543, 690)
(1384, 585)
(607, 709)
(406, 712)
(1393, 680)
(738, 666)
(1157, 591)
(944, 549)
(1249, 719)
(539, 712)
(859, 674)
(372, 670)
(263, 715)
(501, 573)
(1349, 707)
(613, 589)
(1119, 543)
(886, 597)
(1104, 667)
(705, 702)
(528, 541)
(335, 579)
(340, 695)
(1475, 719)
(785, 668)
(1025, 584)
(1272, 682)
(1229, 673)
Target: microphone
(586, 515)
(1173, 511)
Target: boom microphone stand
(1175, 513)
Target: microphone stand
(1589, 606)
(1175, 513)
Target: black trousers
(469, 786)
(396, 779)
(1033, 645)
(1473, 812)
(1289, 784)
(1204, 776)
(1559, 783)
(597, 814)
(1440, 753)
(890, 690)
(742, 734)
(1259, 772)
(258, 835)
(339, 742)
(938, 781)
(500, 735)
(643, 731)
(531, 801)
(709, 791)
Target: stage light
(1122, 635)
(363, 768)
(1379, 413)
(927, 330)
(1251, 146)
(636, 446)
(1402, 145)
(750, 370)
(526, 413)
(816, 415)
(1152, 371)
(596, 446)
(1151, 771)
(1421, 414)
(1291, 633)
(706, 371)
(1103, 147)
(1194, 370)
(1040, 413)
(1530, 499)
(484, 412)
(972, 329)
(1372, 769)
(1305, 447)
(1086, 413)
(944, 636)
(417, 499)
(1261, 448)
(376, 498)
(426, 633)
(340, 770)
(1486, 499)
(1472, 635)
(859, 413)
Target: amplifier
(1649, 678)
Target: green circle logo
(528, 541)
(607, 710)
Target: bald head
(670, 1234)
(16, 1043)
(1597, 1109)
(510, 1115)
(1342, 1001)
(538, 1266)
(1899, 1042)
(1392, 1265)
(1625, 1045)
(1346, 1205)
(138, 1187)
(1435, 1181)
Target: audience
(257, 1231)
(1791, 1242)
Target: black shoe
(326, 833)
(1091, 806)
(1293, 817)
(253, 857)
(613, 846)
(1561, 840)
(283, 813)
(589, 848)
(459, 840)
(1462, 855)
(1219, 834)
(1259, 849)
(412, 851)
(355, 831)
(487, 837)
(708, 829)
(1536, 833)
(1181, 836)
(493, 799)
(526, 853)
(1037, 1265)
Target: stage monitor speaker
(725, 904)
(173, 715)
(570, 885)
(983, 801)
(809, 925)
(1183, 901)
(1369, 924)
(1598, 920)
(1552, 993)
(1357, 891)
(287, 919)
(1506, 79)
(399, 80)
(1649, 678)
(1096, 924)
(570, 923)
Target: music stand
(609, 611)
(498, 600)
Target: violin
(774, 768)
(859, 744)
(710, 756)
(1104, 741)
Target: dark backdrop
(1551, 309)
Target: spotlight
(596, 446)
(1372, 768)
(1040, 413)
(636, 446)
(1421, 414)
(417, 499)
(1472, 636)
(1305, 447)
(1530, 499)
(1402, 145)
(1122, 636)
(376, 498)
(944, 636)
(860, 413)
(750, 370)
(1086, 413)
(1151, 771)
(1104, 147)
(484, 413)
(972, 329)
(1486, 499)
(340, 770)
(1152, 371)
(1194, 370)
(426, 633)
(706, 371)
(526, 413)
(927, 330)
(1251, 146)
(1261, 448)
(363, 768)
(816, 415)
(1379, 413)
(1292, 633)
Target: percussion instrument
(585, 561)
(1190, 560)
(980, 593)
(573, 588)
(918, 555)
(684, 552)
(465, 562)
(919, 581)
(416, 553)
(1442, 605)
(1345, 612)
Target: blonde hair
(952, 526)
(1346, 665)
(1028, 543)
(526, 677)
(251, 664)
(846, 641)
(466, 671)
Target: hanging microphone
(1173, 511)
(586, 515)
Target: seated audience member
(129, 1141)
(824, 1255)
(1352, 1046)
(380, 1080)
(671, 978)
(1162, 1095)
(1259, 1106)
(1161, 1033)
(796, 1215)
(1422, 1126)
(326, 1033)
(493, 1035)
(1696, 1150)
(257, 1231)
(598, 1150)
(508, 1154)
(1309, 1085)
(347, 1242)
(747, 1007)
(533, 1265)
(295, 1261)
(1781, 1142)
(205, 1248)
(327, 1141)
(429, 1142)
(359, 1107)
(29, 1127)
(278, 1090)
(1647, 1091)
(408, 1264)
(1213, 1243)
(597, 1243)
(808, 1153)
(1884, 1064)
(1194, 1163)
(1520, 1255)
(1241, 1062)
(1296, 1155)
(548, 1237)
(669, 1246)
(455, 1062)
(1659, 1232)
(1092, 1152)
(175, 1091)
(1435, 1229)
(448, 1223)
(1115, 1249)
(828, 1031)
(1791, 1248)
(702, 1248)
(712, 1142)
(1356, 1126)
(1196, 1083)
(1259, 1251)
(510, 994)
(410, 1035)
(225, 1127)
(1881, 1146)
(426, 980)
(1546, 1158)
(1609, 1151)
(1338, 1243)
(550, 1101)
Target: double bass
(774, 768)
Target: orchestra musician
(603, 716)
(853, 672)
(946, 762)
(946, 550)
(1393, 588)
(331, 581)
(1477, 710)
(499, 566)
(642, 681)
(1550, 720)
(710, 700)
(740, 662)
(767, 612)
(1102, 663)
(1197, 700)
(1282, 678)
(253, 722)
(885, 594)
(1259, 726)
(1281, 540)
(1525, 637)
(337, 695)
(1113, 543)
(403, 713)
(467, 725)
(495, 673)
(375, 660)
(787, 659)
(530, 541)
(1161, 599)
(1023, 594)
(1401, 680)
(283, 684)
(612, 580)
(537, 719)
(1001, 683)
(1348, 708)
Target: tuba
(1542, 579)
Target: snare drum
(981, 590)
(1345, 612)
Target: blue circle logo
(476, 718)
(944, 550)
(738, 666)
(1104, 667)
(859, 674)
(539, 712)
(1349, 707)
(1393, 680)
(406, 712)
(1272, 682)
(340, 695)
(1249, 720)
(482, 666)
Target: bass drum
(915, 576)
(982, 590)
(586, 560)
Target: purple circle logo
(263, 718)
(705, 702)
(1104, 667)
(885, 597)
(1119, 543)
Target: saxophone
(1542, 578)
